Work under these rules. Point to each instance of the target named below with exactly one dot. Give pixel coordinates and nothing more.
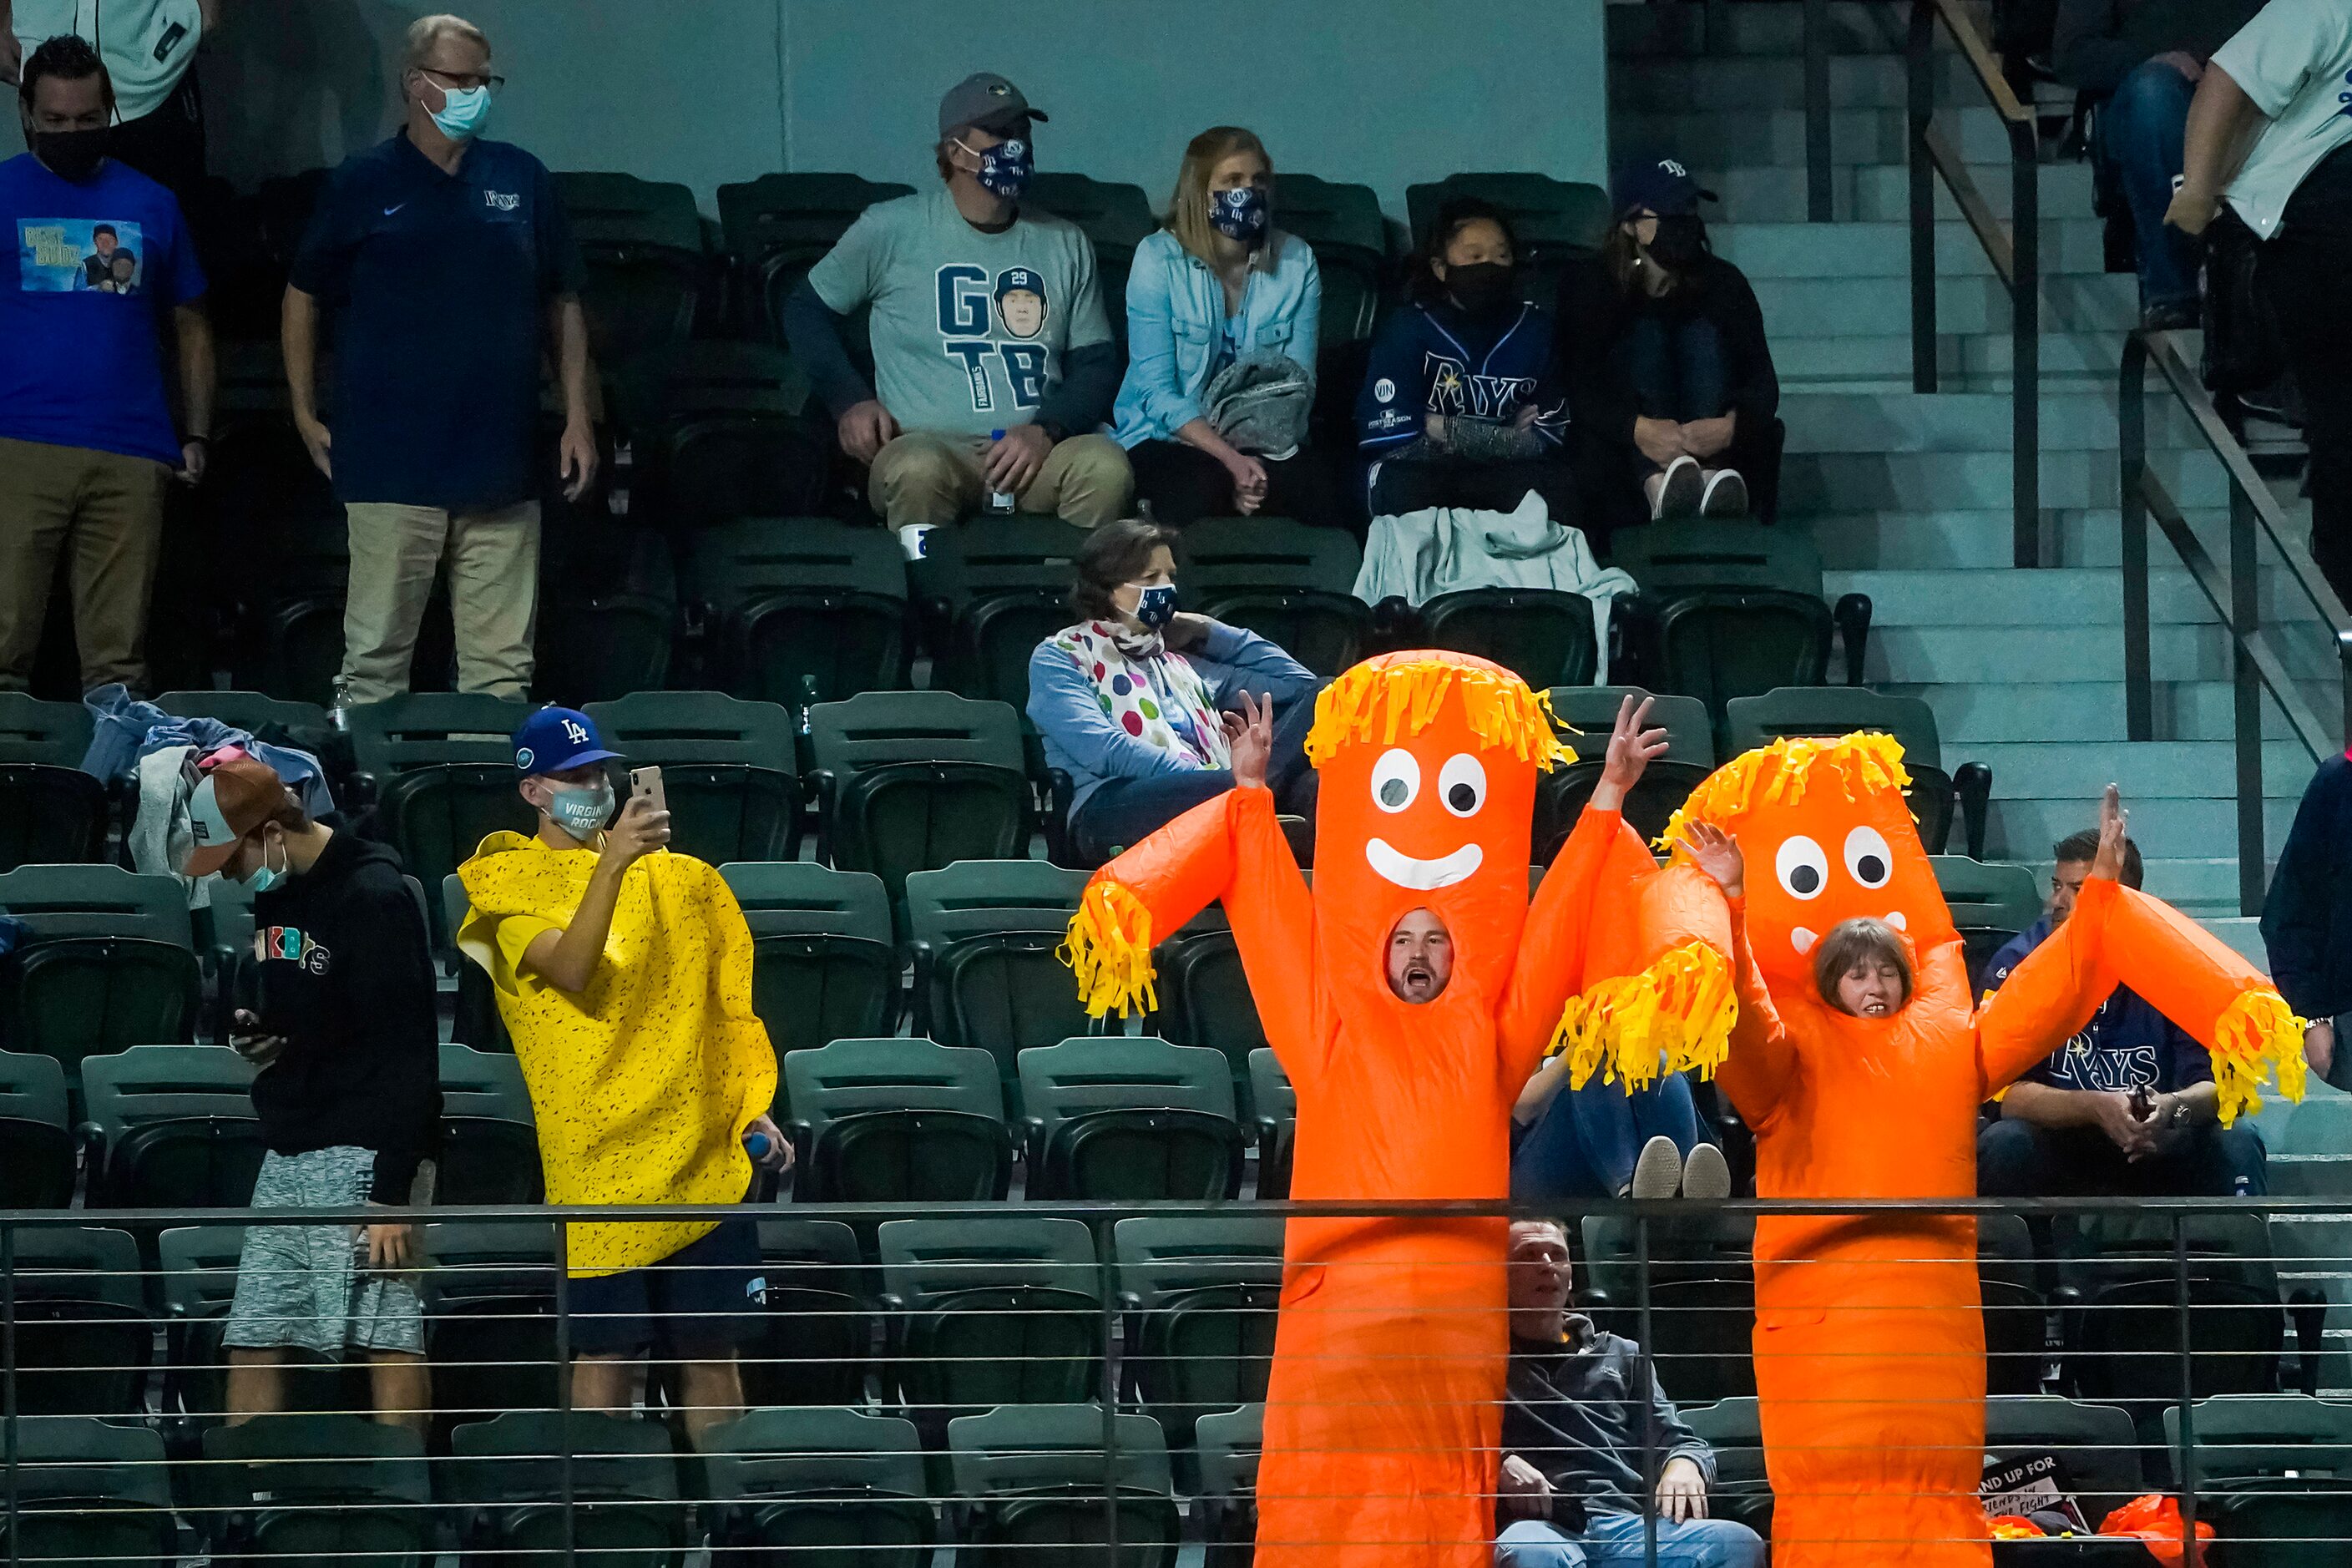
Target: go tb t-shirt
(98, 265)
(969, 328)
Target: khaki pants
(931, 477)
(493, 594)
(106, 510)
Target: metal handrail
(2256, 664)
(2015, 254)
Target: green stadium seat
(111, 962)
(1199, 1297)
(912, 781)
(642, 241)
(1541, 634)
(506, 1474)
(442, 768)
(252, 712)
(834, 1484)
(2270, 1473)
(816, 1334)
(1591, 711)
(2015, 1313)
(1832, 711)
(1115, 217)
(986, 1313)
(1291, 583)
(83, 1337)
(608, 610)
(1125, 1119)
(36, 1133)
(1702, 1298)
(1741, 1493)
(799, 610)
(2116, 1354)
(477, 1022)
(2096, 1445)
(489, 1318)
(489, 1142)
(1343, 225)
(51, 811)
(93, 1491)
(174, 1126)
(1277, 1106)
(1730, 609)
(728, 770)
(1227, 1448)
(896, 1121)
(1990, 902)
(1039, 1487)
(198, 1264)
(992, 589)
(1557, 221)
(285, 1496)
(778, 226)
(725, 437)
(984, 935)
(1204, 999)
(825, 966)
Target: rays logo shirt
(2128, 1044)
(969, 328)
(1430, 359)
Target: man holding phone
(340, 1023)
(622, 972)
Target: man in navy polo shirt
(88, 447)
(441, 254)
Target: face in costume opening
(1421, 957)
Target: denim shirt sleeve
(1306, 325)
(1235, 660)
(1152, 308)
(1063, 706)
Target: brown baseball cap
(235, 796)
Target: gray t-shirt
(969, 327)
(2294, 60)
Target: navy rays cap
(1665, 187)
(554, 739)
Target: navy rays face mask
(1238, 213)
(1005, 168)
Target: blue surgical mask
(266, 876)
(1005, 169)
(1157, 607)
(580, 809)
(1238, 213)
(463, 113)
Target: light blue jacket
(1176, 315)
(1081, 740)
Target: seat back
(806, 610)
(74, 997)
(815, 1452)
(1741, 1493)
(36, 1130)
(489, 1317)
(727, 767)
(876, 727)
(926, 1259)
(817, 1327)
(97, 901)
(49, 815)
(93, 1491)
(1029, 1447)
(1342, 224)
(1590, 712)
(727, 438)
(198, 1263)
(1831, 711)
(2096, 1445)
(423, 728)
(853, 1076)
(1078, 1078)
(998, 587)
(1205, 1000)
(1275, 1104)
(1990, 902)
(1288, 582)
(608, 610)
(642, 241)
(980, 897)
(778, 226)
(436, 816)
(1557, 221)
(489, 1142)
(1542, 635)
(164, 1083)
(32, 730)
(82, 1332)
(1116, 218)
(824, 966)
(517, 1456)
(2247, 1437)
(248, 711)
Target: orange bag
(2155, 1518)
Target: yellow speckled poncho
(642, 1084)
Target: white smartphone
(647, 784)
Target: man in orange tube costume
(1869, 1333)
(1383, 1413)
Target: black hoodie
(345, 974)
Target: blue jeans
(1677, 369)
(1124, 810)
(2135, 141)
(1615, 1540)
(1585, 1142)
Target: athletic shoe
(1658, 1174)
(1678, 494)
(1725, 495)
(1706, 1175)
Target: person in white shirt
(148, 46)
(2268, 132)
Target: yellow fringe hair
(1673, 1016)
(2253, 1034)
(1861, 763)
(1109, 949)
(1403, 697)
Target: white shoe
(1658, 1174)
(1725, 495)
(1706, 1175)
(1679, 490)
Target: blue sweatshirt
(1082, 740)
(1429, 358)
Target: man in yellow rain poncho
(623, 974)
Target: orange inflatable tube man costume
(1869, 1333)
(1383, 1411)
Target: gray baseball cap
(985, 99)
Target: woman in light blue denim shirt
(1219, 281)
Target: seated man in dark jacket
(2307, 917)
(2128, 1106)
(1573, 1428)
(2144, 57)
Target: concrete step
(1640, 32)
(2079, 596)
(2147, 771)
(2243, 935)
(2015, 828)
(1881, 307)
(2071, 418)
(1813, 482)
(1665, 85)
(2202, 886)
(1707, 137)
(2058, 655)
(2311, 1176)
(1964, 363)
(1970, 716)
(1979, 538)
(1881, 192)
(1814, 250)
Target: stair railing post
(2131, 439)
(2026, 334)
(1818, 189)
(1920, 98)
(2246, 699)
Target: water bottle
(756, 1145)
(999, 502)
(808, 699)
(340, 714)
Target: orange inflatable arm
(1552, 943)
(1763, 1058)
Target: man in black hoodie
(349, 1094)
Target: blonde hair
(427, 31)
(1188, 209)
(1852, 942)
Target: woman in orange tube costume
(1869, 1333)
(1383, 1412)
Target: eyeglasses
(464, 81)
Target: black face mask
(1484, 288)
(1679, 242)
(72, 155)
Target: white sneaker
(1679, 490)
(1658, 1174)
(1706, 1175)
(1725, 495)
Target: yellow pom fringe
(1406, 693)
(1109, 949)
(1861, 762)
(2253, 1033)
(1673, 1016)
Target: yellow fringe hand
(1109, 949)
(1673, 1016)
(2253, 1033)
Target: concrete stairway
(1908, 495)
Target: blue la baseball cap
(1018, 277)
(554, 739)
(1664, 186)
